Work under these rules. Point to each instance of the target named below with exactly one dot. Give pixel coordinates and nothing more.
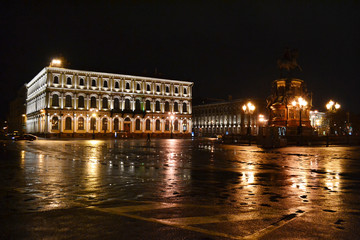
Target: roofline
(115, 75)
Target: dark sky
(225, 47)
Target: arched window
(127, 104)
(55, 100)
(116, 124)
(137, 124)
(176, 125)
(185, 91)
(157, 124)
(104, 103)
(68, 101)
(104, 124)
(81, 102)
(55, 123)
(116, 104)
(93, 102)
(105, 84)
(93, 123)
(127, 85)
(176, 107)
(117, 85)
(81, 123)
(68, 81)
(167, 89)
(137, 105)
(158, 88)
(148, 88)
(148, 125)
(138, 86)
(184, 107)
(93, 83)
(56, 80)
(81, 82)
(167, 107)
(147, 103)
(176, 90)
(157, 106)
(68, 123)
(167, 125)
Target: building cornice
(114, 75)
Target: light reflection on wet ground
(44, 175)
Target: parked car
(25, 137)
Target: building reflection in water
(91, 176)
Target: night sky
(225, 47)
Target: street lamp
(249, 108)
(93, 122)
(300, 104)
(332, 107)
(262, 122)
(171, 127)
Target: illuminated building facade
(319, 122)
(224, 118)
(72, 103)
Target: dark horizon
(225, 48)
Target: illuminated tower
(289, 104)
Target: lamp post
(249, 108)
(93, 122)
(261, 124)
(300, 103)
(331, 107)
(171, 127)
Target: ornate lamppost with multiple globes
(300, 104)
(249, 109)
(331, 107)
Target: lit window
(81, 123)
(55, 123)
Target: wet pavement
(177, 189)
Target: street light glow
(56, 63)
(332, 106)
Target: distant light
(56, 63)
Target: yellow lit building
(73, 103)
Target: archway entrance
(127, 125)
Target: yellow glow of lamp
(56, 63)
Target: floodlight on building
(56, 62)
